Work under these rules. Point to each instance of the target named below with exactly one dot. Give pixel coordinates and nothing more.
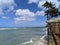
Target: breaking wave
(41, 41)
(7, 28)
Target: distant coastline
(24, 27)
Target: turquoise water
(16, 36)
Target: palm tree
(51, 12)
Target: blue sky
(23, 13)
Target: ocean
(20, 36)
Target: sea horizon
(25, 27)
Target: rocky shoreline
(43, 41)
(40, 41)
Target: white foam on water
(7, 28)
(31, 41)
(42, 37)
(4, 28)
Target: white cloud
(40, 13)
(23, 19)
(40, 4)
(5, 17)
(33, 1)
(6, 4)
(24, 15)
(24, 12)
(1, 12)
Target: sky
(23, 13)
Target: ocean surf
(21, 36)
